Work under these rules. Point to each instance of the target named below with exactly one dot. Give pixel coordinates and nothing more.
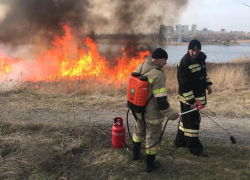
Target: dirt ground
(65, 109)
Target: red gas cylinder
(118, 133)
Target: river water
(215, 53)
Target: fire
(5, 64)
(69, 60)
(89, 63)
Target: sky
(231, 15)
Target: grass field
(52, 132)
(39, 151)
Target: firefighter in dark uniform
(156, 110)
(193, 82)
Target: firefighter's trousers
(188, 132)
(149, 132)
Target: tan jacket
(157, 87)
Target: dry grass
(231, 84)
(46, 151)
(231, 95)
(227, 77)
(171, 80)
(56, 131)
(241, 60)
(65, 86)
(243, 40)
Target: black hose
(177, 134)
(105, 128)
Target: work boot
(202, 154)
(136, 151)
(151, 164)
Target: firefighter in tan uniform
(193, 82)
(156, 110)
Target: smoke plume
(33, 21)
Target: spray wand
(200, 106)
(196, 109)
(231, 137)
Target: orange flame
(5, 64)
(67, 60)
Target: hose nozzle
(200, 106)
(233, 140)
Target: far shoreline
(209, 43)
(122, 42)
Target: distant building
(169, 30)
(178, 29)
(193, 29)
(182, 33)
(166, 31)
(182, 30)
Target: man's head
(160, 56)
(194, 48)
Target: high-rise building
(178, 29)
(169, 30)
(166, 31)
(193, 29)
(182, 30)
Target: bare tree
(246, 4)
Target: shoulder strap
(134, 114)
(143, 117)
(141, 67)
(148, 70)
(152, 69)
(145, 73)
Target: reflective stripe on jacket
(193, 79)
(155, 110)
